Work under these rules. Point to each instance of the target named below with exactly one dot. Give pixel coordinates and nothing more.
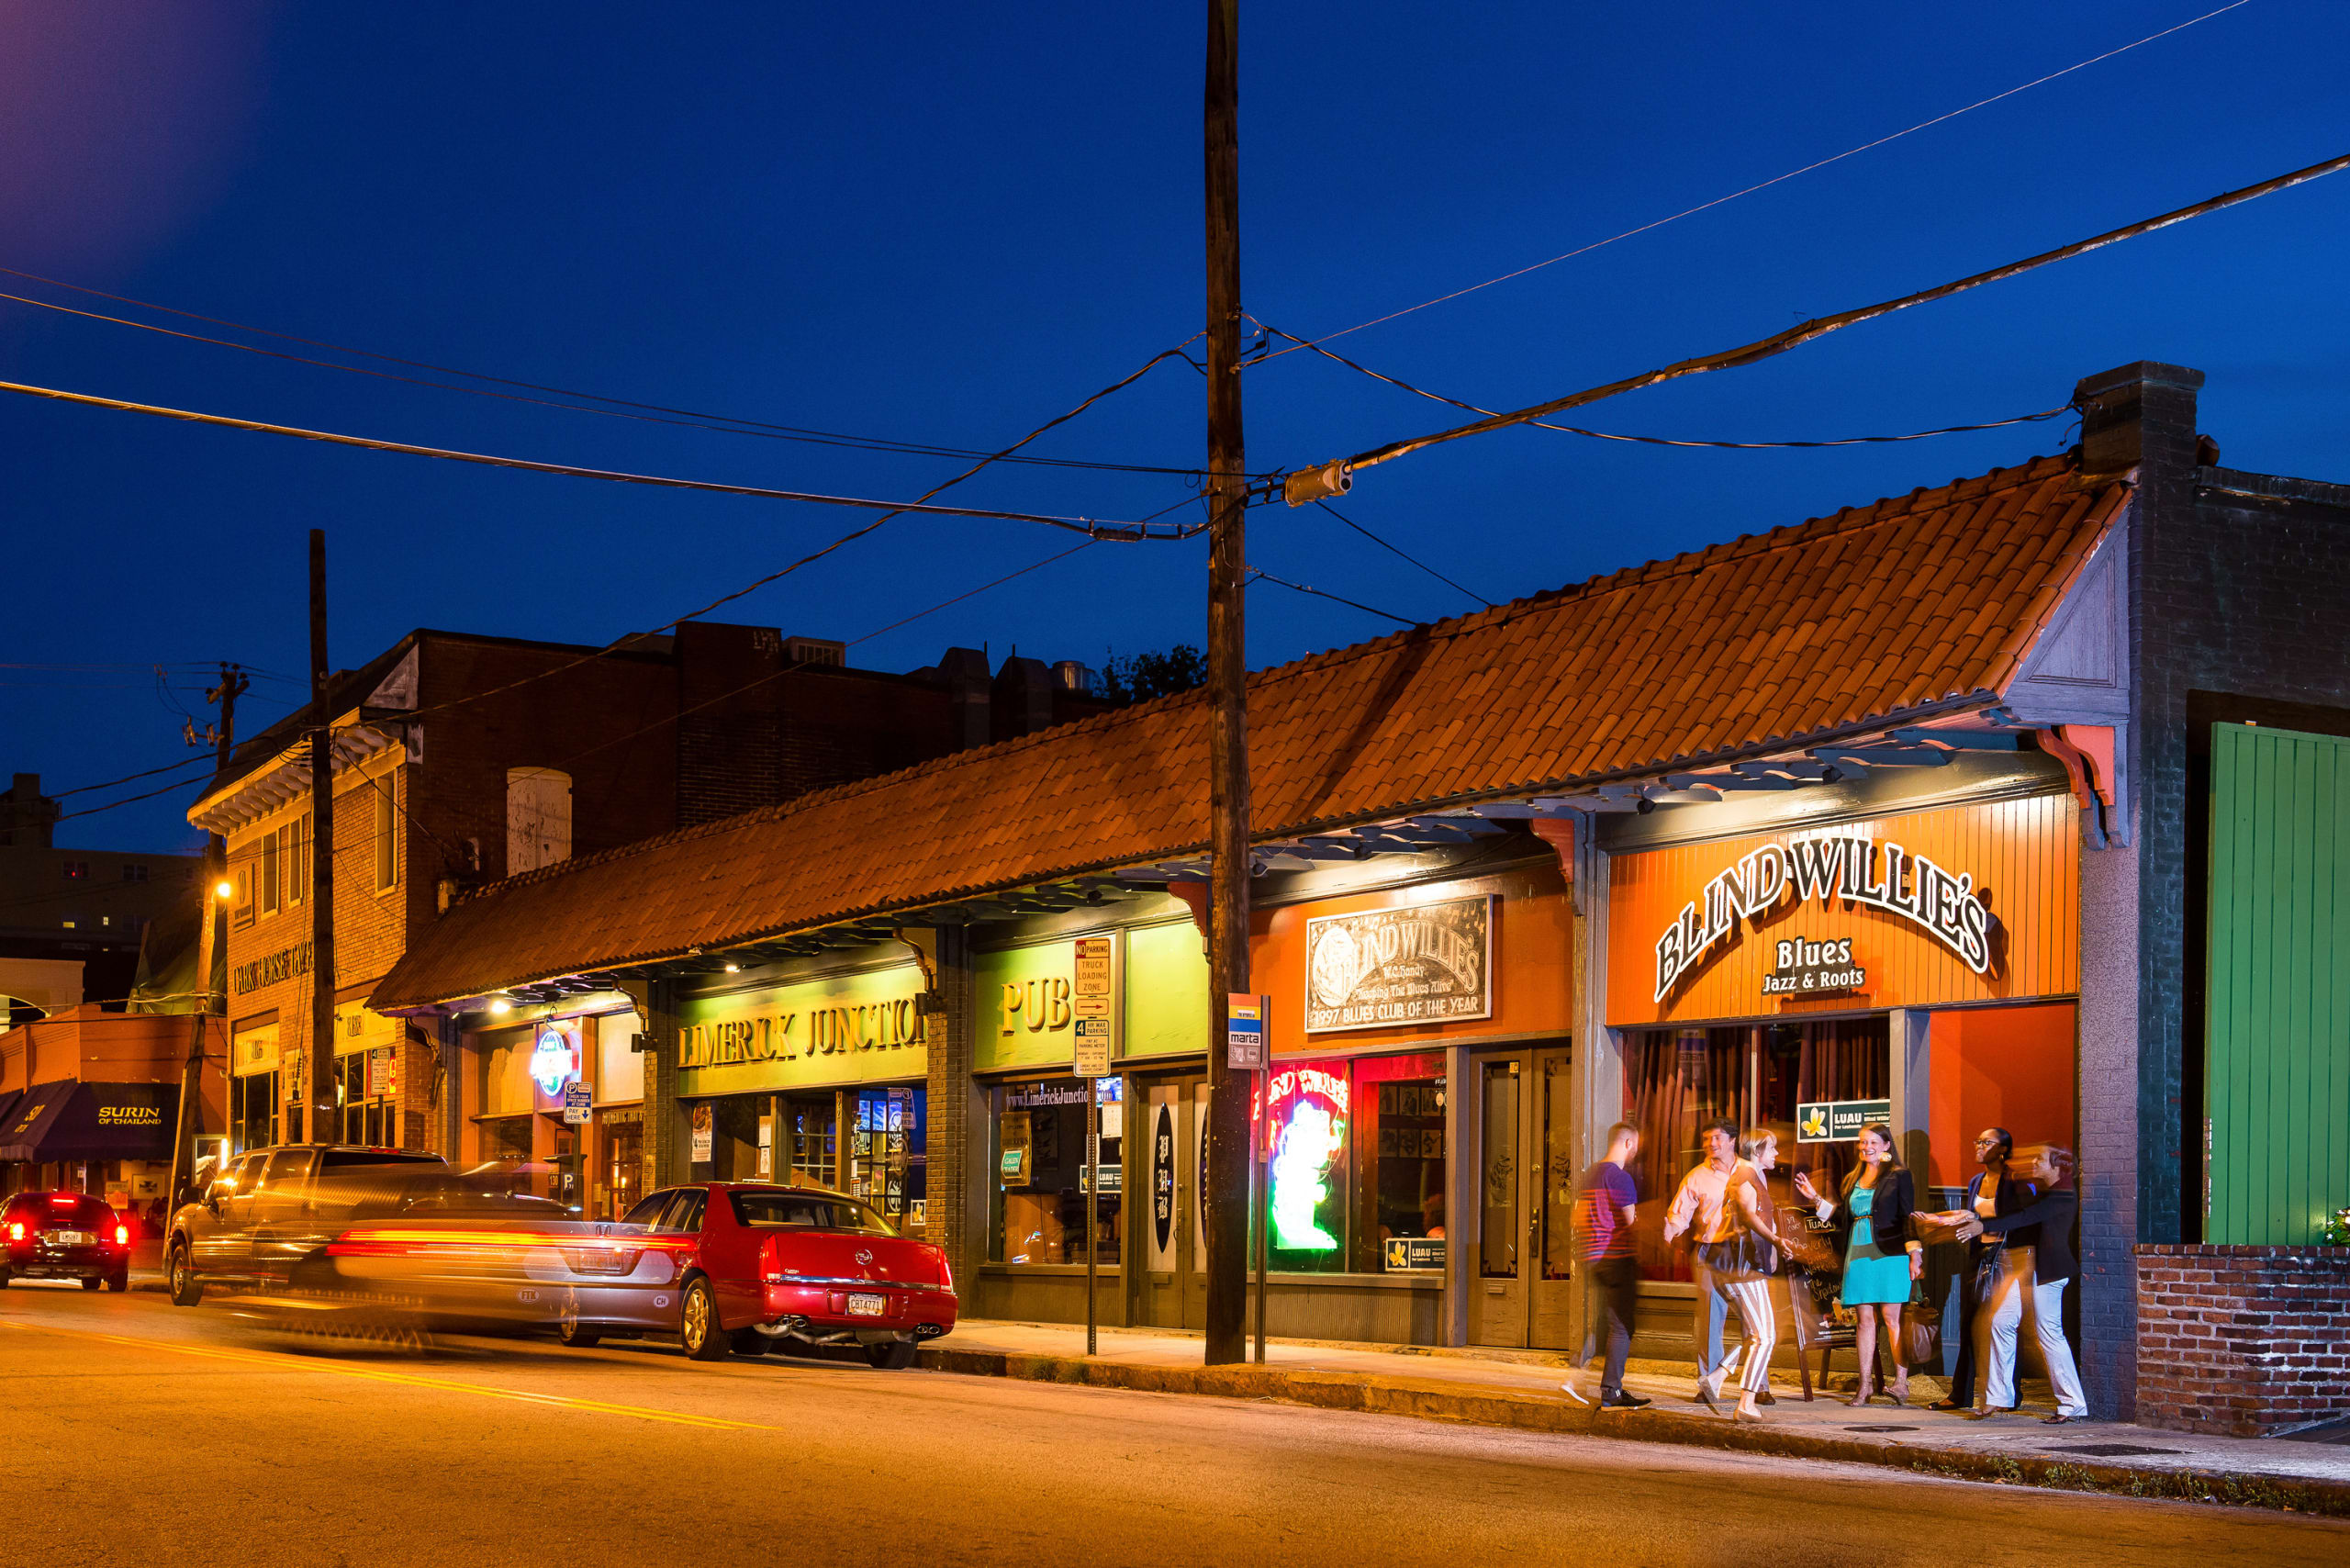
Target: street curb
(1442, 1402)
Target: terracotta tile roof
(1843, 624)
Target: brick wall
(2242, 1341)
(2233, 594)
(954, 1124)
(2236, 585)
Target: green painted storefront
(2277, 1084)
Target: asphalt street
(138, 1433)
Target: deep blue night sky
(948, 224)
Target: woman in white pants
(2033, 1271)
(1737, 1265)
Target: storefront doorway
(1171, 1251)
(1521, 1267)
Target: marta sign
(1854, 867)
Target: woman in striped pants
(1737, 1263)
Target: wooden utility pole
(317, 1091)
(1229, 1139)
(209, 935)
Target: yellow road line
(279, 1363)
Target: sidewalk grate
(1880, 1428)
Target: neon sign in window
(1307, 1136)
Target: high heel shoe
(1860, 1401)
(1753, 1416)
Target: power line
(943, 604)
(633, 638)
(1793, 337)
(1300, 588)
(1394, 550)
(128, 778)
(722, 424)
(1750, 190)
(1672, 440)
(1090, 526)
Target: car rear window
(80, 1210)
(804, 1211)
(340, 1156)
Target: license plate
(867, 1306)
(70, 1237)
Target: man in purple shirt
(1604, 1202)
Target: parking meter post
(1260, 1178)
(1092, 1198)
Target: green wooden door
(2277, 1084)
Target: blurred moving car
(726, 1266)
(66, 1236)
(273, 1210)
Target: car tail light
(64, 1200)
(122, 1236)
(16, 1230)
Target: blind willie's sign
(1429, 964)
(1856, 868)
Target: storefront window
(624, 1168)
(362, 1089)
(506, 1137)
(1356, 1157)
(252, 1110)
(887, 1154)
(814, 1154)
(1041, 1182)
(1675, 1080)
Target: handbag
(1922, 1329)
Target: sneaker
(1572, 1392)
(1619, 1400)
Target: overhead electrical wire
(1761, 186)
(651, 413)
(633, 638)
(1793, 337)
(222, 422)
(1255, 572)
(1414, 560)
(1673, 440)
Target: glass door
(1498, 1294)
(1171, 1247)
(1520, 1289)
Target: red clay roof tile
(1741, 648)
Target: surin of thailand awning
(70, 1120)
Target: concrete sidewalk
(1521, 1390)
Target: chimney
(965, 671)
(2140, 415)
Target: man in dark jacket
(2037, 1263)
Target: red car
(66, 1236)
(726, 1266)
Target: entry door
(1170, 1250)
(1521, 1283)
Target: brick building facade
(462, 759)
(2237, 608)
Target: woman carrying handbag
(1882, 1263)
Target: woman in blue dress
(1881, 1261)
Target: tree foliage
(1138, 678)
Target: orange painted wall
(2023, 855)
(1998, 1066)
(1533, 963)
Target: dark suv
(273, 1210)
(66, 1236)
